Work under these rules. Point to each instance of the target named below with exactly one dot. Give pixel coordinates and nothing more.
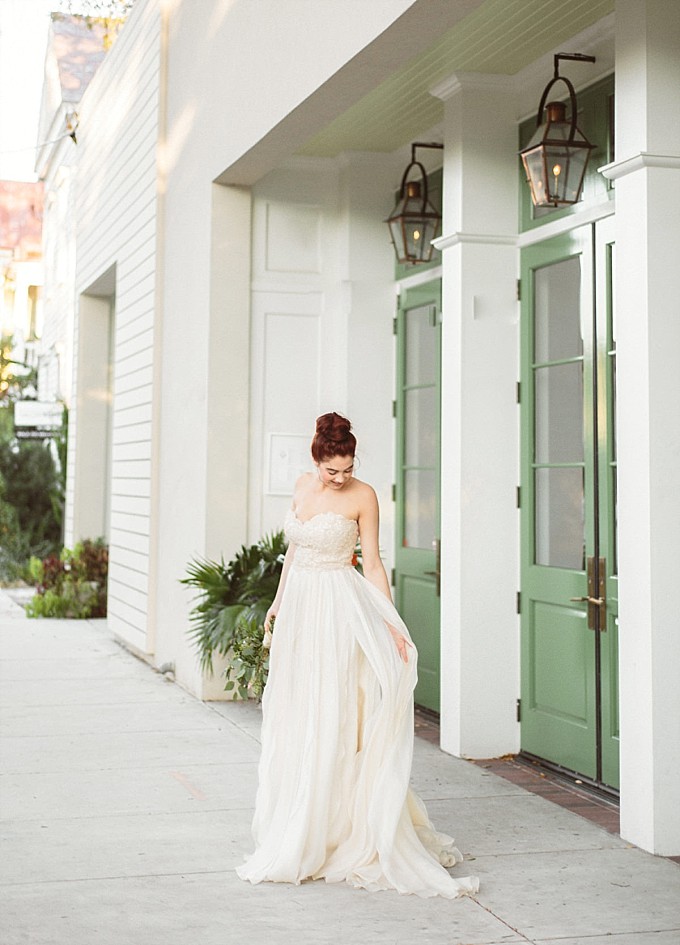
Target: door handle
(596, 571)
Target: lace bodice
(324, 542)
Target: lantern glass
(555, 160)
(413, 224)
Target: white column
(647, 294)
(480, 434)
(203, 488)
(91, 422)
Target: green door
(416, 577)
(568, 601)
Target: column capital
(479, 81)
(486, 239)
(636, 162)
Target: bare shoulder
(303, 480)
(302, 486)
(365, 497)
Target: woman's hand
(402, 643)
(269, 619)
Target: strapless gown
(333, 800)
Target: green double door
(417, 411)
(568, 600)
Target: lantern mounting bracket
(574, 57)
(415, 163)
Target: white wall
(322, 306)
(200, 464)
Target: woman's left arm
(369, 526)
(372, 566)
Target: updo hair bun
(333, 437)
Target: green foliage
(32, 487)
(14, 550)
(228, 618)
(248, 664)
(31, 497)
(72, 584)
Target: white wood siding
(116, 212)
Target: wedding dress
(334, 801)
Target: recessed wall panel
(292, 242)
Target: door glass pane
(557, 324)
(421, 427)
(421, 340)
(558, 394)
(419, 508)
(559, 518)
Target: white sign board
(36, 420)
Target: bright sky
(23, 36)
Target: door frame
(423, 560)
(598, 738)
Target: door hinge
(394, 408)
(519, 602)
(519, 710)
(519, 290)
(394, 326)
(519, 497)
(519, 393)
(394, 492)
(393, 578)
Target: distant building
(21, 268)
(517, 399)
(74, 53)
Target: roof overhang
(381, 99)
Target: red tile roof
(79, 49)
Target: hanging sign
(37, 420)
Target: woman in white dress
(333, 800)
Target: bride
(334, 801)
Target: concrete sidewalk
(126, 804)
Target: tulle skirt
(333, 800)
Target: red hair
(333, 437)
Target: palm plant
(232, 602)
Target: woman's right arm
(276, 603)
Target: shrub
(32, 487)
(31, 497)
(233, 600)
(72, 584)
(14, 548)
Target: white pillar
(203, 501)
(647, 294)
(90, 489)
(480, 434)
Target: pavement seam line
(503, 922)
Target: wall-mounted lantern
(555, 159)
(414, 222)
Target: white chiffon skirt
(333, 800)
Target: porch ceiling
(499, 36)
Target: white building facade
(234, 279)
